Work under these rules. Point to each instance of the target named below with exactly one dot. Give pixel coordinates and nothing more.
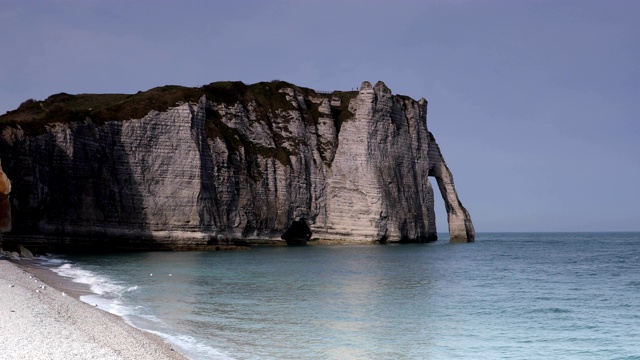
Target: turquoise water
(506, 296)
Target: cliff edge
(227, 161)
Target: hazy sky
(534, 103)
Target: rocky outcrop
(230, 161)
(5, 206)
(25, 253)
(460, 225)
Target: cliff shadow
(209, 212)
(79, 193)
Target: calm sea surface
(506, 296)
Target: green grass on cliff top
(33, 115)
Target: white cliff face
(460, 225)
(163, 152)
(356, 166)
(379, 176)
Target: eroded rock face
(5, 206)
(378, 186)
(354, 164)
(460, 225)
(298, 233)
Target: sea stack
(182, 166)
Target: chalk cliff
(226, 161)
(5, 206)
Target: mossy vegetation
(342, 114)
(267, 102)
(266, 99)
(233, 139)
(265, 94)
(33, 116)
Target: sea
(505, 296)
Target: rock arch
(460, 224)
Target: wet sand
(43, 318)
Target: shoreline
(43, 317)
(49, 277)
(48, 243)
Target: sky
(534, 103)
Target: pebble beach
(42, 320)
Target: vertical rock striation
(460, 225)
(378, 182)
(5, 207)
(232, 161)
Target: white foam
(106, 293)
(107, 296)
(99, 284)
(51, 261)
(113, 306)
(151, 318)
(193, 348)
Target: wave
(98, 284)
(108, 296)
(192, 347)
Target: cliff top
(33, 115)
